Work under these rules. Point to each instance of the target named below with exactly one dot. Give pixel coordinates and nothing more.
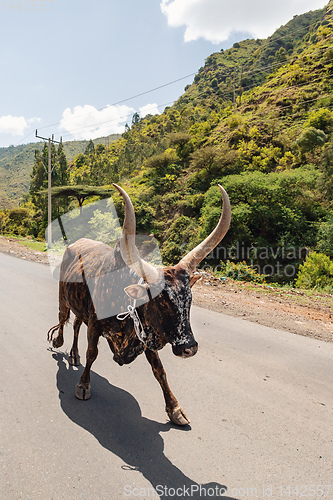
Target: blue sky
(65, 64)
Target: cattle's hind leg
(58, 341)
(74, 358)
(174, 411)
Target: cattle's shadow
(114, 418)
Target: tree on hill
(90, 149)
(310, 139)
(81, 193)
(39, 170)
(39, 175)
(326, 181)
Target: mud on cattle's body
(97, 283)
(87, 261)
(165, 317)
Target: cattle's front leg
(83, 389)
(74, 357)
(174, 411)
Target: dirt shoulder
(294, 310)
(13, 247)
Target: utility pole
(49, 172)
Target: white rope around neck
(133, 313)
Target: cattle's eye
(136, 292)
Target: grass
(277, 291)
(29, 242)
(40, 246)
(290, 294)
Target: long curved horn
(195, 256)
(128, 249)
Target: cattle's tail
(52, 331)
(64, 313)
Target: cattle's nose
(185, 351)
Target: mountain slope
(248, 62)
(258, 118)
(16, 164)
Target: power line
(122, 118)
(152, 90)
(172, 102)
(261, 70)
(310, 100)
(268, 42)
(24, 138)
(258, 71)
(281, 89)
(129, 98)
(273, 40)
(166, 104)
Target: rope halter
(133, 313)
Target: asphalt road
(260, 402)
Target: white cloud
(14, 125)
(215, 20)
(87, 122)
(35, 119)
(149, 109)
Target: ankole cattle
(94, 273)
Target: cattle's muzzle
(185, 350)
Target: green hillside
(258, 118)
(16, 164)
(248, 63)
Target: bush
(310, 139)
(240, 271)
(321, 119)
(17, 221)
(325, 237)
(178, 238)
(266, 208)
(316, 272)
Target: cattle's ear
(136, 292)
(194, 278)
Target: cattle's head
(166, 317)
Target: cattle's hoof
(74, 360)
(57, 342)
(83, 391)
(177, 416)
